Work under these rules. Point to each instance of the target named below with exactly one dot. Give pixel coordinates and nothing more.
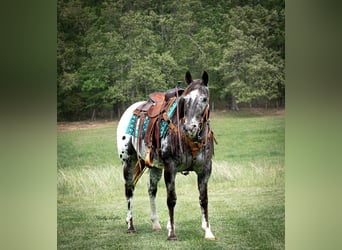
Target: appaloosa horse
(187, 145)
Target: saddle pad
(163, 123)
(134, 123)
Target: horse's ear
(188, 77)
(205, 78)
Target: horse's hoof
(172, 238)
(156, 228)
(210, 238)
(131, 231)
(209, 235)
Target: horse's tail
(139, 169)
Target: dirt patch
(84, 125)
(262, 111)
(107, 123)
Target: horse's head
(195, 105)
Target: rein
(178, 123)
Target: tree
(72, 24)
(252, 70)
(112, 53)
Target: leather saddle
(153, 106)
(153, 110)
(157, 102)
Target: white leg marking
(206, 227)
(169, 228)
(154, 217)
(129, 213)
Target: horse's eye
(204, 99)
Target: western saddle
(153, 110)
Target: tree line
(113, 53)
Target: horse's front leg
(169, 177)
(202, 180)
(155, 175)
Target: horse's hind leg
(155, 175)
(129, 189)
(129, 159)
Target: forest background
(113, 53)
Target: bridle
(200, 141)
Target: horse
(187, 145)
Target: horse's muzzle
(191, 130)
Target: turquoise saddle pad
(134, 123)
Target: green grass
(246, 191)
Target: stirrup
(148, 161)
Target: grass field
(246, 191)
